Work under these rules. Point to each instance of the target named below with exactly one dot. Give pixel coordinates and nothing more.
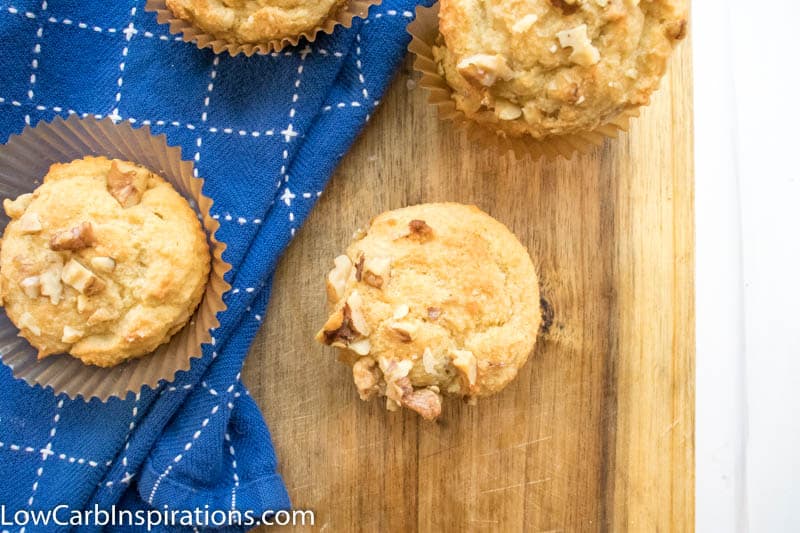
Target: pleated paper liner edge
(344, 16)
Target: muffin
(545, 68)
(104, 261)
(255, 21)
(432, 300)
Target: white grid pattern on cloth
(288, 133)
(46, 452)
(204, 115)
(188, 446)
(129, 31)
(37, 50)
(232, 452)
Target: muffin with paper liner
(111, 277)
(256, 26)
(545, 77)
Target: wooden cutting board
(597, 432)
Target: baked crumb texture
(104, 261)
(555, 67)
(432, 300)
(254, 21)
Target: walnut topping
(81, 278)
(126, 183)
(568, 7)
(347, 326)
(31, 286)
(366, 376)
(678, 29)
(505, 110)
(77, 238)
(405, 331)
(429, 361)
(434, 313)
(337, 278)
(104, 264)
(467, 365)
(374, 271)
(583, 52)
(426, 402)
(394, 373)
(420, 230)
(26, 321)
(400, 312)
(30, 223)
(15, 208)
(525, 23)
(71, 335)
(485, 69)
(50, 283)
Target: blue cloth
(265, 133)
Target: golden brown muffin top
(104, 260)
(553, 67)
(433, 299)
(254, 21)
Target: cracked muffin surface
(104, 261)
(432, 300)
(555, 67)
(254, 21)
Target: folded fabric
(266, 133)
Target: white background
(747, 101)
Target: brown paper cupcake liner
(24, 161)
(343, 17)
(424, 31)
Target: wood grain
(597, 433)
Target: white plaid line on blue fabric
(178, 458)
(232, 451)
(129, 32)
(46, 452)
(204, 115)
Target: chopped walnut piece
(485, 69)
(583, 52)
(525, 23)
(26, 321)
(426, 402)
(347, 326)
(395, 375)
(429, 361)
(467, 365)
(337, 278)
(366, 376)
(505, 110)
(104, 264)
(400, 312)
(126, 183)
(77, 238)
(405, 331)
(50, 283)
(374, 271)
(81, 278)
(434, 313)
(30, 223)
(31, 286)
(420, 230)
(71, 335)
(16, 208)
